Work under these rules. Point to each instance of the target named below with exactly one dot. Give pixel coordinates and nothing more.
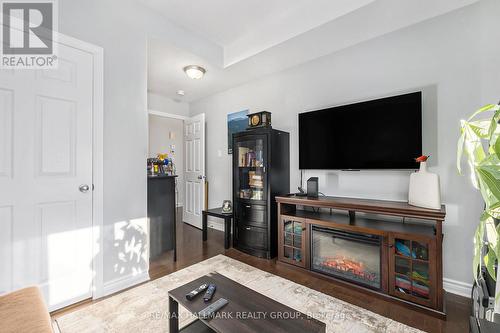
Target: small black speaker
(312, 187)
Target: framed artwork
(236, 122)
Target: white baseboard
(457, 287)
(123, 282)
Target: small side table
(227, 217)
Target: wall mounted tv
(384, 133)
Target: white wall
(122, 28)
(164, 132)
(440, 56)
(162, 103)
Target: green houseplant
(479, 143)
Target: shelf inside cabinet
(252, 201)
(415, 260)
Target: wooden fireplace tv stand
(386, 248)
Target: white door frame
(178, 117)
(167, 115)
(194, 219)
(97, 54)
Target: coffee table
(247, 310)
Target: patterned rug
(145, 308)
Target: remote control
(210, 310)
(195, 292)
(210, 292)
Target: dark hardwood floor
(191, 250)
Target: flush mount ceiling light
(194, 71)
(181, 92)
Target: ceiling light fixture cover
(194, 71)
(181, 92)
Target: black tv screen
(380, 134)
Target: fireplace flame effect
(349, 266)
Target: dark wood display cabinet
(386, 248)
(261, 171)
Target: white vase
(424, 189)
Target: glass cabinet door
(250, 177)
(412, 270)
(293, 241)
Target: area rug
(145, 308)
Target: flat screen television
(384, 133)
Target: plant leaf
(489, 180)
(491, 236)
(475, 136)
(478, 246)
(489, 261)
(474, 150)
(495, 133)
(481, 110)
(460, 151)
(496, 147)
(481, 128)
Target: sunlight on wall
(68, 273)
(131, 246)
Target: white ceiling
(245, 28)
(260, 37)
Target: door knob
(200, 177)
(84, 188)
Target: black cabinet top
(217, 212)
(161, 176)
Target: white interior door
(194, 174)
(45, 158)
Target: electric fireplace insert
(354, 257)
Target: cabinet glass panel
(402, 247)
(251, 180)
(420, 272)
(403, 284)
(297, 234)
(292, 240)
(297, 241)
(288, 252)
(412, 268)
(403, 266)
(420, 251)
(420, 290)
(297, 228)
(297, 255)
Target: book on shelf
(255, 180)
(252, 175)
(250, 159)
(242, 156)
